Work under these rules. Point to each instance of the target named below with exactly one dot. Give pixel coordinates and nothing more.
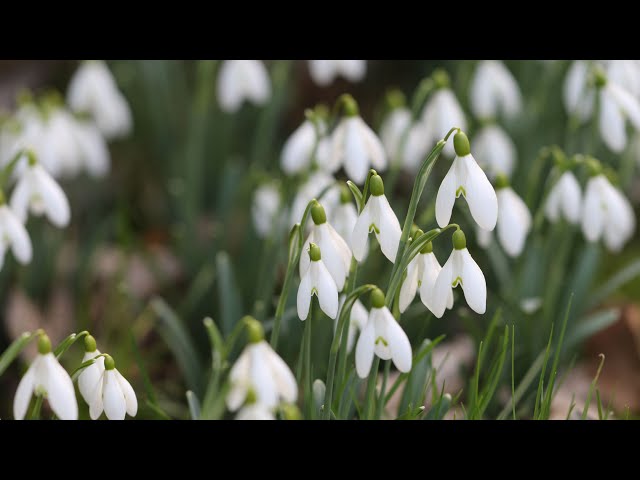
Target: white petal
(446, 196)
(115, 406)
(17, 234)
(473, 283)
(442, 288)
(129, 395)
(578, 98)
(305, 261)
(380, 321)
(626, 102)
(483, 237)
(326, 287)
(410, 285)
(571, 201)
(514, 221)
(53, 197)
(398, 343)
(255, 411)
(258, 87)
(24, 392)
(429, 276)
(360, 235)
(353, 70)
(20, 198)
(304, 295)
(282, 374)
(356, 156)
(96, 405)
(393, 128)
(389, 226)
(90, 376)
(93, 148)
(480, 195)
(611, 123)
(593, 217)
(60, 391)
(333, 253)
(322, 72)
(494, 150)
(364, 350)
(229, 93)
(239, 378)
(344, 220)
(261, 378)
(297, 150)
(373, 145)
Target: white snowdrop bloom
(577, 96)
(265, 209)
(260, 375)
(344, 215)
(607, 213)
(357, 321)
(441, 113)
(91, 375)
(494, 150)
(37, 192)
(297, 153)
(356, 147)
(467, 178)
(616, 106)
(324, 72)
(384, 337)
(564, 199)
(514, 219)
(393, 128)
(336, 254)
(112, 394)
(378, 217)
(14, 235)
(316, 183)
(241, 80)
(255, 411)
(317, 280)
(483, 237)
(494, 91)
(93, 150)
(416, 148)
(625, 73)
(460, 269)
(60, 151)
(93, 90)
(46, 377)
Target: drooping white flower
(396, 128)
(241, 80)
(393, 128)
(357, 321)
(37, 192)
(460, 269)
(336, 254)
(324, 72)
(112, 394)
(494, 151)
(384, 337)
(317, 280)
(564, 199)
(315, 184)
(494, 90)
(93, 150)
(577, 96)
(378, 217)
(255, 411)
(607, 214)
(467, 178)
(625, 73)
(93, 90)
(297, 153)
(260, 375)
(91, 375)
(344, 215)
(265, 210)
(483, 237)
(514, 219)
(356, 147)
(14, 235)
(441, 113)
(46, 377)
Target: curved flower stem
(383, 389)
(370, 398)
(67, 342)
(308, 387)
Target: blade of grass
(194, 405)
(14, 349)
(592, 388)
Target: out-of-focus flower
(514, 218)
(265, 210)
(241, 80)
(564, 199)
(14, 235)
(494, 151)
(324, 72)
(494, 90)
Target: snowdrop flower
(607, 213)
(483, 237)
(578, 98)
(317, 182)
(357, 321)
(422, 273)
(442, 112)
(467, 178)
(393, 128)
(564, 199)
(265, 210)
(14, 235)
(91, 375)
(317, 281)
(324, 72)
(46, 377)
(494, 150)
(377, 216)
(113, 394)
(255, 411)
(345, 215)
(37, 192)
(335, 251)
(494, 90)
(460, 269)
(514, 218)
(93, 90)
(93, 150)
(297, 153)
(259, 375)
(625, 73)
(382, 336)
(355, 146)
(241, 80)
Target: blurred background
(166, 238)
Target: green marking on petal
(314, 291)
(373, 228)
(456, 282)
(384, 342)
(462, 191)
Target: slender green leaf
(194, 405)
(14, 350)
(228, 293)
(619, 279)
(592, 388)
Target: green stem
(308, 395)
(370, 397)
(35, 412)
(381, 402)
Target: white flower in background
(37, 192)
(394, 126)
(317, 281)
(91, 375)
(335, 251)
(113, 394)
(467, 178)
(378, 217)
(625, 73)
(357, 321)
(93, 151)
(324, 72)
(577, 96)
(297, 153)
(356, 147)
(441, 113)
(345, 215)
(607, 214)
(46, 377)
(382, 336)
(255, 411)
(494, 151)
(259, 375)
(265, 210)
(93, 90)
(494, 91)
(483, 237)
(316, 183)
(530, 305)
(514, 218)
(460, 269)
(564, 199)
(241, 80)
(14, 235)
